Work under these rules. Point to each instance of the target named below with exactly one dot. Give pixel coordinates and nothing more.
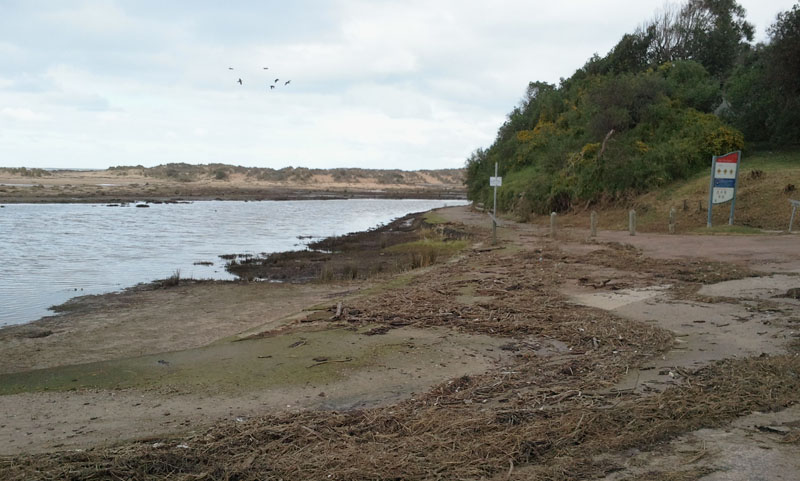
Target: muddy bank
(150, 320)
(407, 243)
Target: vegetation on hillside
(183, 172)
(25, 172)
(685, 86)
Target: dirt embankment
(538, 358)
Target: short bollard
(593, 223)
(632, 222)
(672, 220)
(553, 225)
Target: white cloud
(23, 114)
(407, 84)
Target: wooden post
(794, 203)
(632, 222)
(553, 225)
(593, 223)
(494, 211)
(672, 220)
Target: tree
(783, 72)
(630, 55)
(668, 29)
(784, 52)
(764, 91)
(716, 33)
(711, 32)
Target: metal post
(711, 191)
(494, 211)
(735, 186)
(593, 223)
(553, 225)
(632, 222)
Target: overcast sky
(375, 84)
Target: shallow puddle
(610, 300)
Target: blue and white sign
(724, 174)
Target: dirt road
(747, 317)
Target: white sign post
(724, 176)
(495, 182)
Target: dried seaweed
(541, 416)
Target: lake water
(50, 253)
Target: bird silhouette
(265, 68)
(276, 80)
(240, 81)
(287, 82)
(271, 87)
(230, 68)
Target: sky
(412, 84)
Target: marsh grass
(172, 281)
(427, 251)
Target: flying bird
(287, 82)
(266, 68)
(271, 87)
(240, 81)
(230, 68)
(276, 80)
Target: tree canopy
(684, 86)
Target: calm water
(52, 252)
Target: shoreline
(265, 195)
(50, 306)
(589, 348)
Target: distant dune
(173, 182)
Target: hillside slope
(767, 180)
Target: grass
(173, 280)
(434, 218)
(425, 252)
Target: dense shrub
(648, 113)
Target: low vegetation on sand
(183, 172)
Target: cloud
(23, 114)
(80, 101)
(392, 83)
